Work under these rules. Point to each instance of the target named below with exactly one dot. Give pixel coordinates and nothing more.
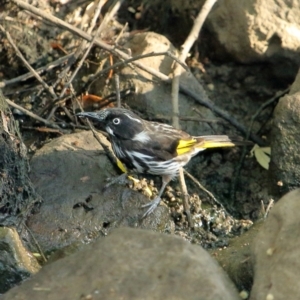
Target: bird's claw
(152, 205)
(122, 179)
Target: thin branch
(39, 71)
(248, 134)
(107, 150)
(82, 46)
(200, 97)
(185, 48)
(270, 205)
(32, 115)
(88, 37)
(28, 66)
(117, 84)
(223, 114)
(204, 189)
(133, 59)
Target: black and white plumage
(151, 147)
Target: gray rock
(263, 29)
(285, 156)
(154, 99)
(70, 173)
(131, 264)
(276, 252)
(236, 258)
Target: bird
(154, 148)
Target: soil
(242, 187)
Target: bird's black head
(118, 122)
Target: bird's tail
(217, 141)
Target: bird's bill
(89, 115)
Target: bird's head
(118, 122)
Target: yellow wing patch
(185, 146)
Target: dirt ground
(242, 187)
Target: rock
(276, 252)
(131, 264)
(263, 29)
(285, 157)
(16, 262)
(70, 173)
(153, 99)
(236, 259)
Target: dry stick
(40, 70)
(36, 75)
(32, 115)
(79, 51)
(185, 48)
(270, 205)
(204, 189)
(248, 134)
(263, 106)
(121, 33)
(133, 59)
(36, 243)
(83, 44)
(107, 150)
(225, 115)
(87, 37)
(202, 99)
(117, 83)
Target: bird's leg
(154, 203)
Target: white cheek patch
(141, 137)
(109, 131)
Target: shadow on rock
(70, 174)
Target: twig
(133, 59)
(79, 51)
(28, 66)
(185, 48)
(204, 189)
(121, 33)
(270, 205)
(223, 114)
(248, 134)
(117, 83)
(263, 106)
(32, 115)
(200, 97)
(107, 150)
(36, 243)
(88, 37)
(40, 70)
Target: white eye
(116, 121)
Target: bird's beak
(89, 115)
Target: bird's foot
(122, 180)
(152, 205)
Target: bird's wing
(167, 141)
